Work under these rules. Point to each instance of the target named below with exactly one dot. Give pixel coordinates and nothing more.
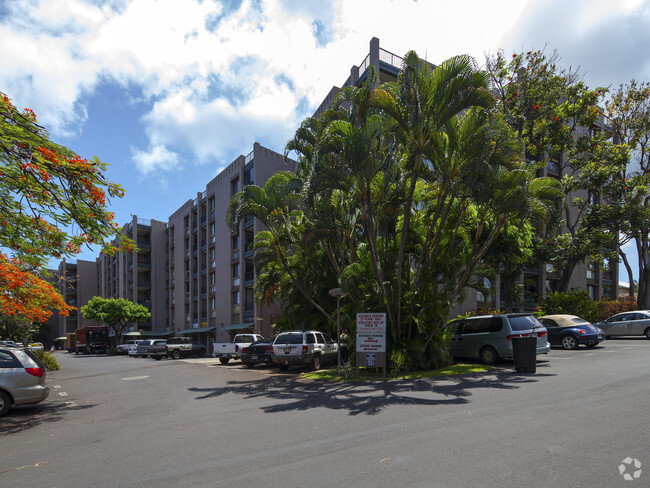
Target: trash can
(524, 351)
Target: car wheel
(569, 342)
(5, 403)
(224, 360)
(647, 333)
(283, 367)
(250, 365)
(488, 355)
(176, 354)
(315, 362)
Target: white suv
(309, 347)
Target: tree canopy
(629, 113)
(116, 313)
(559, 121)
(52, 202)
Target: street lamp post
(338, 293)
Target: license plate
(253, 357)
(600, 337)
(287, 350)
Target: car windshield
(289, 339)
(524, 322)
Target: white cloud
(219, 77)
(157, 157)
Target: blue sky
(168, 92)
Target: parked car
(309, 347)
(569, 331)
(489, 337)
(175, 348)
(633, 323)
(35, 346)
(257, 352)
(8, 344)
(127, 346)
(22, 379)
(142, 350)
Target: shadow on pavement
(369, 398)
(26, 417)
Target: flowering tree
(52, 202)
(25, 294)
(557, 118)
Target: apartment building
(138, 276)
(211, 275)
(76, 280)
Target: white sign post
(371, 341)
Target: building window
(591, 271)
(235, 297)
(235, 242)
(235, 270)
(249, 178)
(234, 186)
(591, 290)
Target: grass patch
(366, 374)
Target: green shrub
(612, 307)
(574, 302)
(49, 360)
(397, 362)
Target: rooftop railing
(390, 58)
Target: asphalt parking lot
(136, 422)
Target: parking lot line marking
(63, 394)
(132, 378)
(56, 386)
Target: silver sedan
(633, 323)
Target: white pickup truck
(226, 351)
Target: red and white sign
(371, 332)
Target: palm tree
(276, 207)
(422, 102)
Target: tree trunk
(565, 277)
(643, 300)
(628, 268)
